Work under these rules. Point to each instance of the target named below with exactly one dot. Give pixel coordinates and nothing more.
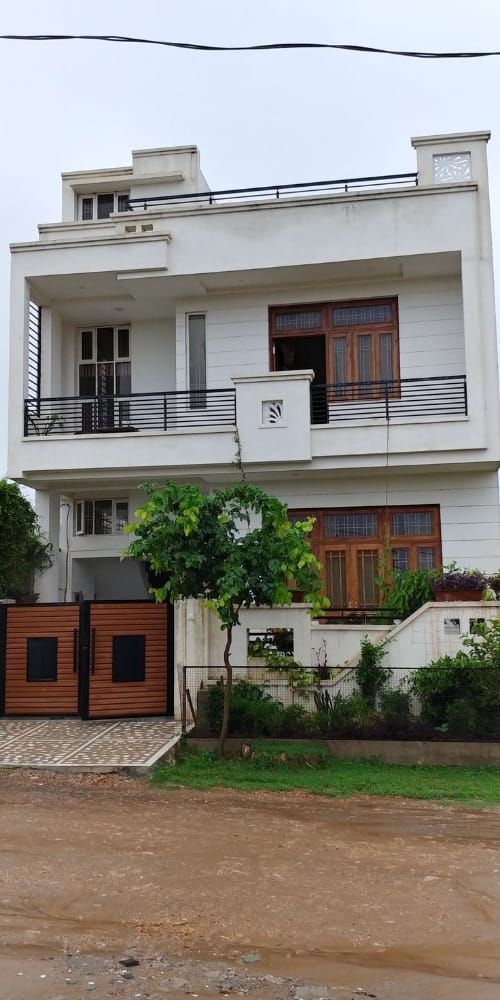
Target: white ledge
(448, 140)
(294, 376)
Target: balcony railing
(406, 398)
(270, 192)
(146, 411)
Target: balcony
(397, 399)
(146, 411)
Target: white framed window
(101, 206)
(100, 517)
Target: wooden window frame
(321, 544)
(349, 333)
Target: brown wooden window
(351, 546)
(344, 342)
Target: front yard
(282, 767)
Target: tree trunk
(227, 691)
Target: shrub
(461, 718)
(472, 677)
(252, 711)
(294, 721)
(395, 704)
(371, 677)
(409, 590)
(454, 578)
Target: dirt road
(225, 893)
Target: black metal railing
(274, 191)
(146, 411)
(368, 615)
(405, 398)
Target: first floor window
(100, 517)
(359, 547)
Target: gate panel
(128, 659)
(41, 663)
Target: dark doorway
(295, 353)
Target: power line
(199, 47)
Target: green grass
(311, 768)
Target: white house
(346, 328)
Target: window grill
(350, 525)
(413, 522)
(34, 351)
(309, 320)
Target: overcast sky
(271, 117)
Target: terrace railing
(271, 192)
(406, 398)
(146, 411)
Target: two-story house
(345, 328)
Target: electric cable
(261, 47)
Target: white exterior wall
(431, 331)
(468, 501)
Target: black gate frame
(83, 643)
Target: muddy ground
(242, 894)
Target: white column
(47, 509)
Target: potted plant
(455, 584)
(494, 582)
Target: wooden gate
(128, 659)
(103, 659)
(41, 657)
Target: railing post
(26, 418)
(164, 411)
(183, 702)
(466, 410)
(386, 396)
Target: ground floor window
(100, 517)
(354, 546)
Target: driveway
(255, 894)
(73, 745)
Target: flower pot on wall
(458, 595)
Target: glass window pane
(87, 207)
(88, 517)
(123, 378)
(350, 525)
(197, 362)
(367, 576)
(105, 205)
(105, 343)
(362, 315)
(122, 203)
(306, 320)
(121, 515)
(103, 517)
(412, 522)
(365, 373)
(123, 343)
(340, 361)
(86, 345)
(105, 380)
(426, 557)
(386, 356)
(86, 380)
(336, 580)
(400, 560)
(78, 514)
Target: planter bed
(459, 752)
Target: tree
(233, 548)
(23, 548)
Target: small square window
(129, 659)
(452, 626)
(41, 660)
